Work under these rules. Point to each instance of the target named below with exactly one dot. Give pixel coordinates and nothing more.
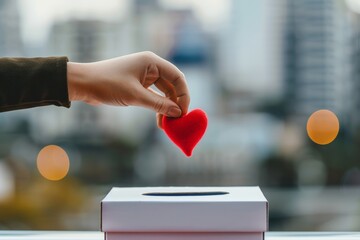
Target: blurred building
(10, 40)
(85, 40)
(354, 97)
(249, 60)
(147, 27)
(317, 59)
(190, 50)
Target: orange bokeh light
(53, 162)
(323, 127)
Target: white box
(184, 209)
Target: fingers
(170, 94)
(159, 118)
(172, 79)
(149, 99)
(167, 88)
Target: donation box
(186, 213)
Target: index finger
(170, 73)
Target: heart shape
(186, 131)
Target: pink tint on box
(184, 236)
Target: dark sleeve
(33, 82)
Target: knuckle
(148, 56)
(180, 79)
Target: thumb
(154, 101)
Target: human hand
(126, 81)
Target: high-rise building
(354, 98)
(10, 38)
(250, 59)
(317, 58)
(85, 40)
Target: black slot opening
(185, 194)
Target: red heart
(187, 130)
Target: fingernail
(174, 112)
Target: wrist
(75, 79)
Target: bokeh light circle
(323, 127)
(53, 162)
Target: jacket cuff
(33, 82)
(58, 91)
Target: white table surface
(88, 235)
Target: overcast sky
(37, 16)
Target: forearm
(33, 82)
(121, 81)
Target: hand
(126, 81)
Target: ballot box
(184, 213)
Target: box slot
(184, 194)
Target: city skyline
(258, 70)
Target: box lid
(184, 209)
